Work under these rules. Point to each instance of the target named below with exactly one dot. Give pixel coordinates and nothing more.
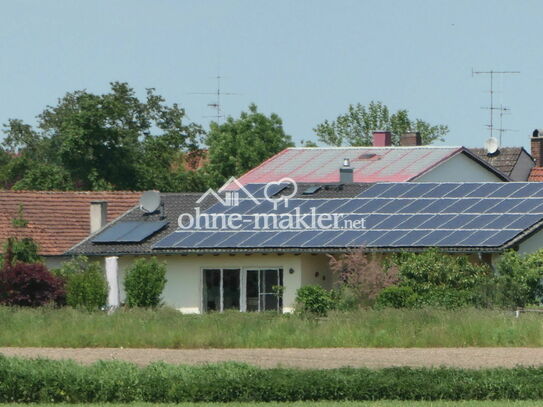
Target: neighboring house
(380, 163)
(58, 220)
(515, 162)
(218, 269)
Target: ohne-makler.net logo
(282, 217)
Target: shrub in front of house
(85, 284)
(313, 300)
(48, 381)
(30, 285)
(144, 283)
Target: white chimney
(98, 215)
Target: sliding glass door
(260, 293)
(247, 290)
(221, 289)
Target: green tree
(144, 282)
(239, 145)
(355, 127)
(107, 141)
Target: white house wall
(184, 274)
(459, 168)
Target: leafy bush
(144, 283)
(46, 381)
(23, 250)
(313, 299)
(364, 276)
(440, 280)
(30, 285)
(397, 297)
(86, 286)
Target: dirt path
(302, 358)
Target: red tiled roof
(57, 220)
(371, 164)
(536, 175)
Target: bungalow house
(57, 220)
(239, 253)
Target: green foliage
(144, 283)
(396, 297)
(25, 381)
(23, 250)
(517, 281)
(355, 127)
(313, 300)
(239, 145)
(108, 141)
(85, 286)
(19, 221)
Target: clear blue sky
(304, 60)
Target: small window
(312, 190)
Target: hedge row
(44, 380)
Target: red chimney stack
(382, 138)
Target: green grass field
(167, 328)
(504, 403)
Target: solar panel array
(129, 232)
(394, 215)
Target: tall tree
(239, 145)
(106, 141)
(355, 127)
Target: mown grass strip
(167, 328)
(44, 380)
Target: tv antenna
(491, 108)
(216, 104)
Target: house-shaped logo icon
(231, 189)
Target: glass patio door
(260, 295)
(221, 289)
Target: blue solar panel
(483, 190)
(454, 238)
(436, 221)
(393, 221)
(395, 215)
(439, 205)
(500, 238)
(477, 237)
(479, 222)
(397, 190)
(235, 239)
(373, 205)
(396, 205)
(409, 238)
(366, 238)
(461, 205)
(388, 238)
(414, 221)
(439, 191)
(418, 206)
(457, 221)
(301, 238)
(462, 190)
(375, 190)
(432, 238)
(129, 232)
(504, 190)
(419, 189)
(330, 206)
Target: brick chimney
(411, 138)
(537, 147)
(382, 138)
(98, 215)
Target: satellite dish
(492, 145)
(150, 201)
